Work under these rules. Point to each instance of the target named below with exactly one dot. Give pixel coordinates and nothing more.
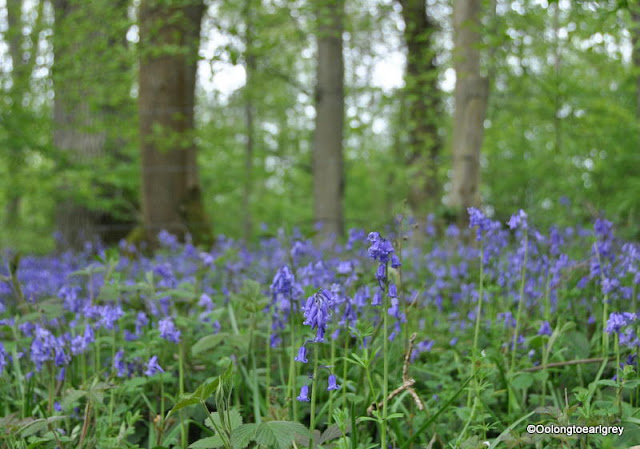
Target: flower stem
(385, 374)
(331, 363)
(314, 384)
(523, 271)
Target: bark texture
(423, 102)
(249, 115)
(328, 168)
(635, 55)
(169, 43)
(471, 94)
(22, 62)
(83, 99)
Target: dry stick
(407, 382)
(567, 363)
(85, 424)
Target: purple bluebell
(4, 358)
(333, 383)
(518, 220)
(380, 248)
(302, 355)
(80, 343)
(377, 298)
(168, 330)
(317, 312)
(545, 329)
(304, 394)
(110, 315)
(119, 365)
(152, 367)
(617, 321)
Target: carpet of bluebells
(409, 337)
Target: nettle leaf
(207, 443)
(279, 434)
(38, 425)
(71, 396)
(303, 440)
(331, 433)
(242, 435)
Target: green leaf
(183, 401)
(331, 433)
(242, 435)
(522, 381)
(608, 383)
(71, 396)
(279, 434)
(38, 425)
(211, 341)
(208, 443)
(235, 420)
(206, 389)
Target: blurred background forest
(124, 117)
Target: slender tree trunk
(471, 94)
(83, 99)
(328, 170)
(249, 113)
(635, 55)
(22, 62)
(423, 96)
(169, 43)
(77, 127)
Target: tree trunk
(82, 100)
(635, 55)
(328, 171)
(421, 81)
(249, 113)
(471, 94)
(169, 43)
(22, 62)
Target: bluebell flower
(518, 220)
(168, 330)
(304, 394)
(333, 383)
(118, 363)
(80, 343)
(57, 407)
(141, 321)
(380, 248)
(152, 367)
(545, 329)
(3, 358)
(110, 315)
(617, 321)
(316, 312)
(302, 355)
(377, 298)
